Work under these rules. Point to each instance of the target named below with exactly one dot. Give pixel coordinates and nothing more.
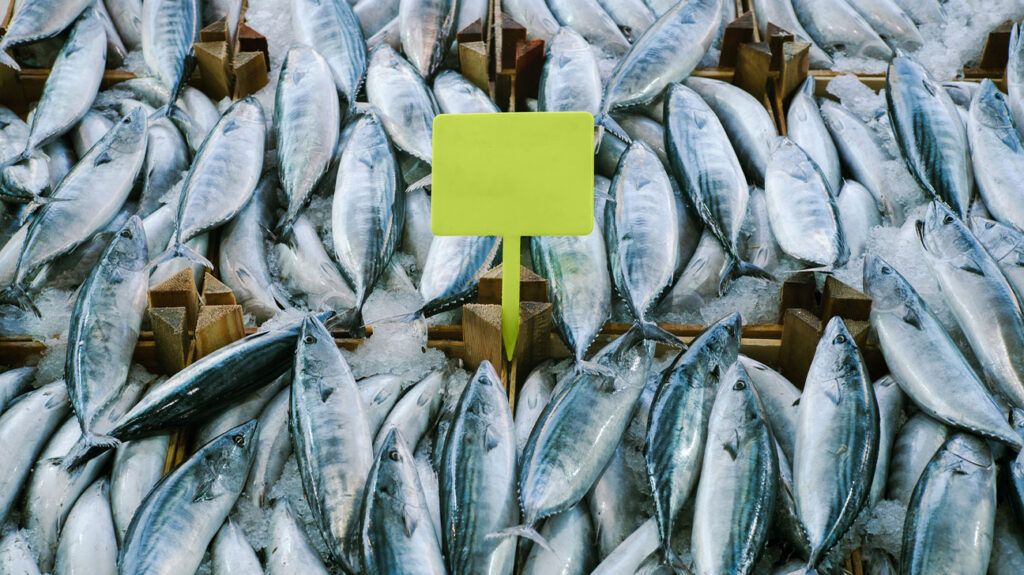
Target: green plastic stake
(513, 175)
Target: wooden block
(170, 333)
(776, 38)
(794, 67)
(740, 31)
(250, 40)
(753, 68)
(532, 347)
(212, 62)
(798, 291)
(216, 293)
(218, 326)
(473, 62)
(801, 330)
(997, 47)
(842, 300)
(481, 331)
(504, 89)
(512, 33)
(215, 32)
(532, 287)
(529, 65)
(474, 32)
(178, 290)
(249, 73)
(481, 328)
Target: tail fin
(181, 250)
(654, 332)
(7, 60)
(421, 184)
(18, 295)
(593, 368)
(88, 446)
(351, 319)
(526, 532)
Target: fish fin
(526, 532)
(732, 447)
(83, 450)
(912, 318)
(17, 295)
(351, 319)
(9, 61)
(919, 228)
(970, 267)
(605, 121)
(797, 402)
(594, 368)
(421, 184)
(491, 439)
(180, 250)
(654, 332)
(409, 521)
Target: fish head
(396, 479)
(736, 400)
(248, 111)
(888, 289)
(129, 134)
(127, 249)
(998, 239)
(905, 75)
(942, 234)
(225, 460)
(566, 43)
(836, 354)
(721, 342)
(313, 334)
(989, 107)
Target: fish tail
(593, 368)
(7, 60)
(421, 184)
(88, 446)
(283, 229)
(526, 532)
(747, 269)
(654, 332)
(606, 122)
(350, 319)
(181, 250)
(17, 295)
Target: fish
(924, 11)
(452, 271)
(90, 129)
(367, 209)
(802, 208)
(332, 29)
(531, 400)
(331, 439)
(222, 179)
(1006, 246)
(25, 428)
(290, 550)
(859, 215)
(62, 160)
(167, 159)
(633, 17)
(703, 278)
(925, 361)
(930, 134)
(631, 553)
(105, 325)
(780, 399)
(127, 18)
(840, 30)
(26, 182)
(307, 124)
(404, 103)
(917, 441)
(477, 479)
(890, 400)
(195, 115)
(90, 197)
(309, 274)
(667, 52)
(614, 508)
(429, 483)
(231, 552)
(374, 15)
(138, 466)
(836, 441)
(739, 475)
(642, 234)
(860, 153)
(579, 286)
(427, 29)
(745, 120)
(36, 20)
(380, 393)
(571, 79)
(87, 541)
(997, 154)
(980, 297)
(417, 235)
(72, 84)
(589, 19)
(397, 533)
(757, 245)
(455, 94)
(806, 127)
(273, 448)
(678, 425)
(169, 29)
(415, 413)
(116, 50)
(781, 14)
(1015, 77)
(640, 127)
(535, 16)
(570, 535)
(13, 383)
(952, 513)
(892, 24)
(199, 493)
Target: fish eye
(393, 455)
(740, 385)
(886, 270)
(239, 440)
(947, 220)
(126, 234)
(839, 339)
(309, 339)
(989, 225)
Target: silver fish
(127, 17)
(290, 551)
(702, 279)
(13, 383)
(477, 479)
(273, 448)
(981, 299)
(331, 438)
(802, 208)
(455, 94)
(169, 29)
(952, 513)
(427, 30)
(332, 29)
(390, 34)
(632, 16)
(839, 29)
(90, 129)
(614, 508)
(997, 152)
(646, 130)
(196, 116)
(667, 52)
(535, 16)
(781, 14)
(374, 15)
(116, 50)
(138, 466)
(736, 496)
(925, 361)
(307, 120)
(836, 441)
(452, 271)
(167, 158)
(241, 410)
(24, 430)
(570, 80)
(403, 101)
(27, 181)
(36, 20)
(531, 400)
(570, 535)
(415, 413)
(918, 440)
(749, 126)
(806, 128)
(930, 134)
(87, 541)
(397, 533)
(428, 482)
(631, 553)
(677, 430)
(62, 160)
(860, 152)
(858, 214)
(200, 494)
(595, 25)
(243, 253)
(232, 554)
(890, 410)
(223, 176)
(889, 20)
(1006, 246)
(780, 399)
(380, 393)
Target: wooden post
(215, 292)
(532, 287)
(842, 300)
(740, 31)
(798, 291)
(178, 290)
(218, 326)
(170, 332)
(801, 330)
(753, 69)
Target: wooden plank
(798, 291)
(212, 59)
(529, 65)
(481, 331)
(215, 292)
(753, 69)
(473, 60)
(997, 47)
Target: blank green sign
(513, 175)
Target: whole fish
(614, 508)
(374, 15)
(631, 553)
(72, 84)
(273, 448)
(309, 273)
(397, 533)
(380, 393)
(243, 253)
(997, 152)
(169, 29)
(917, 441)
(642, 234)
(307, 120)
(13, 383)
(677, 430)
(860, 152)
(415, 413)
(802, 208)
(427, 28)
(981, 299)
(455, 94)
(87, 541)
(579, 287)
(452, 271)
(750, 128)
(105, 326)
(1006, 246)
(925, 361)
(1015, 77)
(634, 17)
(290, 550)
(535, 16)
(138, 466)
(367, 210)
(930, 134)
(92, 195)
(222, 178)
(781, 14)
(127, 17)
(780, 399)
(199, 494)
(839, 29)
(667, 52)
(36, 20)
(836, 441)
(477, 479)
(736, 496)
(571, 79)
(232, 554)
(331, 438)
(531, 400)
(806, 128)
(16, 556)
(249, 406)
(570, 535)
(403, 102)
(951, 517)
(332, 29)
(24, 430)
(890, 411)
(167, 158)
(889, 20)
(595, 25)
(858, 214)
